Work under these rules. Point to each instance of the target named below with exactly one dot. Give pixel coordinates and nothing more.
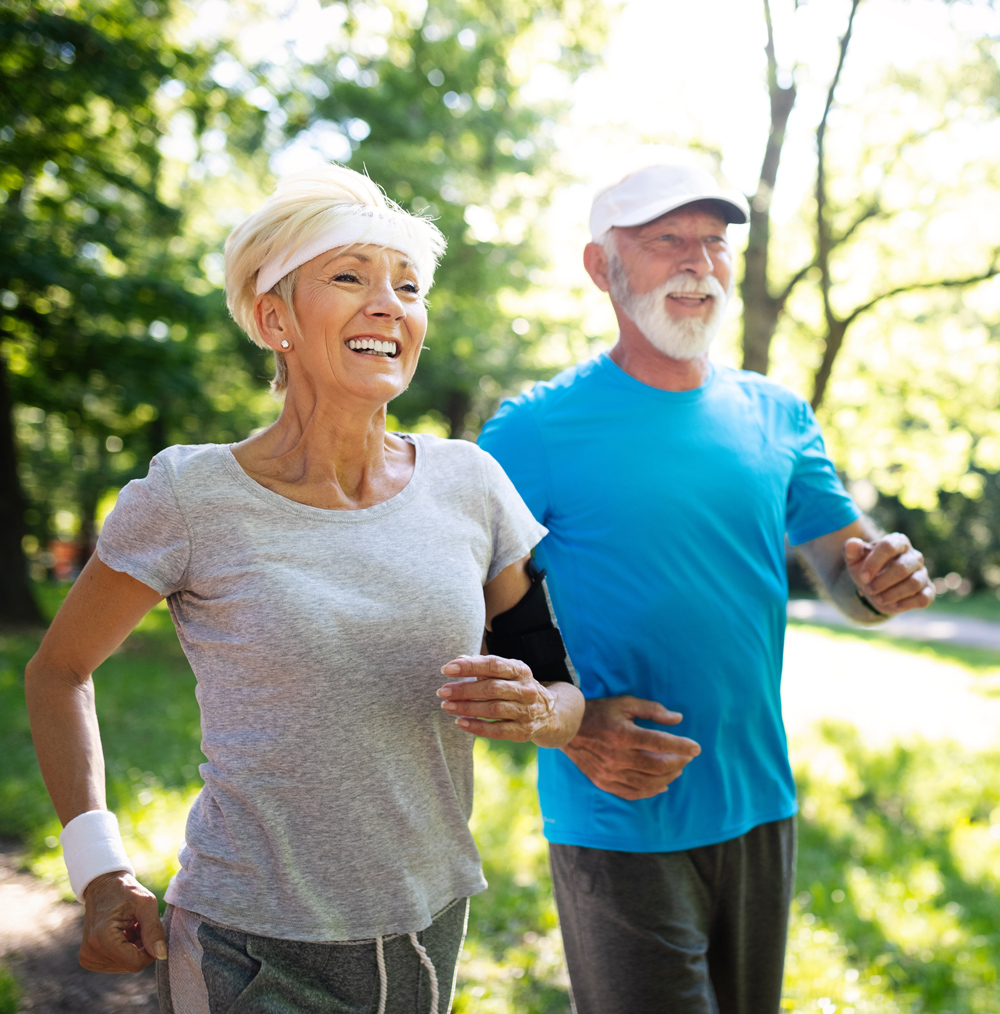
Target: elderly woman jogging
(322, 575)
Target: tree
(128, 152)
(439, 118)
(99, 332)
(845, 221)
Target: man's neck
(649, 366)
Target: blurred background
(866, 134)
(135, 135)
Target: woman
(318, 573)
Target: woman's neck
(333, 455)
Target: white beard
(686, 338)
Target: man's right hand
(624, 759)
(122, 931)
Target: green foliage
(151, 733)
(10, 993)
(899, 858)
(979, 605)
(959, 535)
(913, 403)
(126, 154)
(105, 327)
(24, 804)
(440, 120)
(513, 959)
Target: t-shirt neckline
(339, 515)
(616, 374)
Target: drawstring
(383, 982)
(383, 979)
(425, 960)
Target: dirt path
(885, 694)
(39, 940)
(932, 625)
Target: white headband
(378, 227)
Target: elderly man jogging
(668, 484)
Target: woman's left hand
(505, 701)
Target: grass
(899, 863)
(896, 912)
(10, 993)
(151, 734)
(982, 605)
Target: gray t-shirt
(337, 792)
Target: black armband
(868, 605)
(528, 632)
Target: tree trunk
(760, 314)
(458, 409)
(760, 307)
(86, 539)
(836, 329)
(17, 603)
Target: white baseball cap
(644, 195)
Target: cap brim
(733, 213)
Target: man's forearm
(568, 712)
(825, 560)
(846, 597)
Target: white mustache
(707, 286)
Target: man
(668, 484)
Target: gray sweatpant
(695, 932)
(211, 969)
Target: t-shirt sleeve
(145, 535)
(512, 437)
(514, 531)
(817, 501)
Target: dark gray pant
(696, 932)
(211, 969)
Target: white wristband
(92, 845)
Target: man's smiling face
(689, 241)
(672, 277)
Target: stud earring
(284, 343)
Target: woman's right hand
(505, 701)
(122, 931)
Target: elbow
(45, 680)
(32, 680)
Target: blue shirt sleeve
(512, 437)
(817, 501)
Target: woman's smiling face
(362, 321)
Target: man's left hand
(890, 573)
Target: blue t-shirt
(667, 513)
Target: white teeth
(386, 348)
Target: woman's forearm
(67, 738)
(101, 609)
(568, 709)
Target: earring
(284, 343)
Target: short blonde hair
(305, 205)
